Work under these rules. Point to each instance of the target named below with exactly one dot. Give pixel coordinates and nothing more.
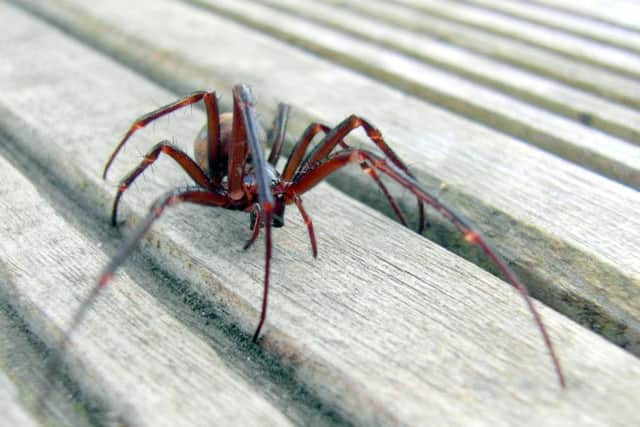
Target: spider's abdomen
(201, 147)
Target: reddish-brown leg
(212, 120)
(190, 167)
(191, 195)
(309, 224)
(470, 234)
(295, 159)
(338, 133)
(278, 132)
(266, 215)
(300, 148)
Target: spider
(230, 171)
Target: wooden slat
(23, 371)
(549, 94)
(563, 21)
(598, 54)
(13, 412)
(540, 61)
(623, 13)
(389, 331)
(145, 366)
(566, 230)
(609, 156)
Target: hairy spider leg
(338, 133)
(307, 180)
(188, 165)
(245, 128)
(278, 132)
(295, 159)
(213, 124)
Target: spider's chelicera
(230, 170)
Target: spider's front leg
(306, 181)
(213, 123)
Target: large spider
(230, 171)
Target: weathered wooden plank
(540, 61)
(607, 155)
(13, 412)
(549, 94)
(166, 374)
(23, 370)
(598, 54)
(564, 21)
(623, 13)
(569, 232)
(365, 326)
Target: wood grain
(598, 54)
(540, 61)
(571, 234)
(563, 21)
(550, 95)
(609, 156)
(385, 331)
(140, 362)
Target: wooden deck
(523, 116)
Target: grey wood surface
(611, 157)
(533, 89)
(598, 54)
(566, 254)
(567, 22)
(385, 328)
(622, 13)
(13, 411)
(523, 55)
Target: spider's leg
(295, 159)
(245, 125)
(307, 180)
(372, 173)
(255, 228)
(189, 166)
(278, 132)
(307, 221)
(300, 148)
(142, 121)
(190, 194)
(338, 133)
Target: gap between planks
(583, 50)
(546, 93)
(540, 61)
(567, 22)
(609, 156)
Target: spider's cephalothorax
(231, 171)
(249, 185)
